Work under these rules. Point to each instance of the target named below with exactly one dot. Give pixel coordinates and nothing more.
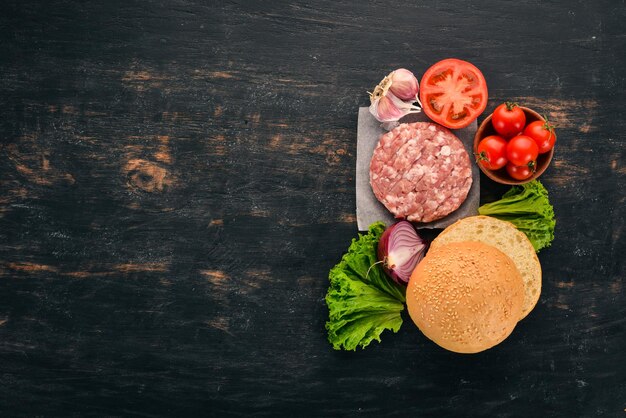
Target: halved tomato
(453, 93)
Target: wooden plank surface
(177, 178)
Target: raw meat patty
(420, 171)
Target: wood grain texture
(177, 178)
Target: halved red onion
(400, 249)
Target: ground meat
(420, 171)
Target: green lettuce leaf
(528, 208)
(362, 301)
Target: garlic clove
(402, 104)
(403, 84)
(389, 108)
(385, 110)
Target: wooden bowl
(501, 176)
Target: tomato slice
(453, 93)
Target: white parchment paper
(368, 208)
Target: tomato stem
(511, 105)
(547, 125)
(481, 156)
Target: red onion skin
(383, 250)
(382, 253)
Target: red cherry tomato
(453, 93)
(521, 150)
(542, 133)
(508, 119)
(520, 172)
(491, 152)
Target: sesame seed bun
(508, 239)
(465, 296)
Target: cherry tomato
(453, 93)
(542, 133)
(508, 119)
(521, 150)
(491, 152)
(520, 172)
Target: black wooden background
(177, 178)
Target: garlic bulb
(393, 97)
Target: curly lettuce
(362, 301)
(529, 209)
